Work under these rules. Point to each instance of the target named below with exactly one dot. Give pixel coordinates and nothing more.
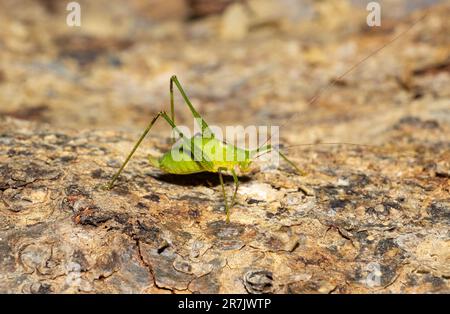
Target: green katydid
(198, 159)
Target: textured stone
(73, 102)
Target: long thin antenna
(351, 69)
(315, 144)
(329, 143)
(285, 148)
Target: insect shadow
(196, 179)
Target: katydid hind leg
(172, 105)
(195, 150)
(141, 138)
(206, 131)
(189, 145)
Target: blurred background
(241, 61)
(73, 100)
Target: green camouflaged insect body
(202, 153)
(222, 156)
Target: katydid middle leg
(236, 185)
(227, 208)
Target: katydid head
(244, 166)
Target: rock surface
(377, 219)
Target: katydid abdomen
(168, 164)
(221, 156)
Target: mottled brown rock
(73, 101)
